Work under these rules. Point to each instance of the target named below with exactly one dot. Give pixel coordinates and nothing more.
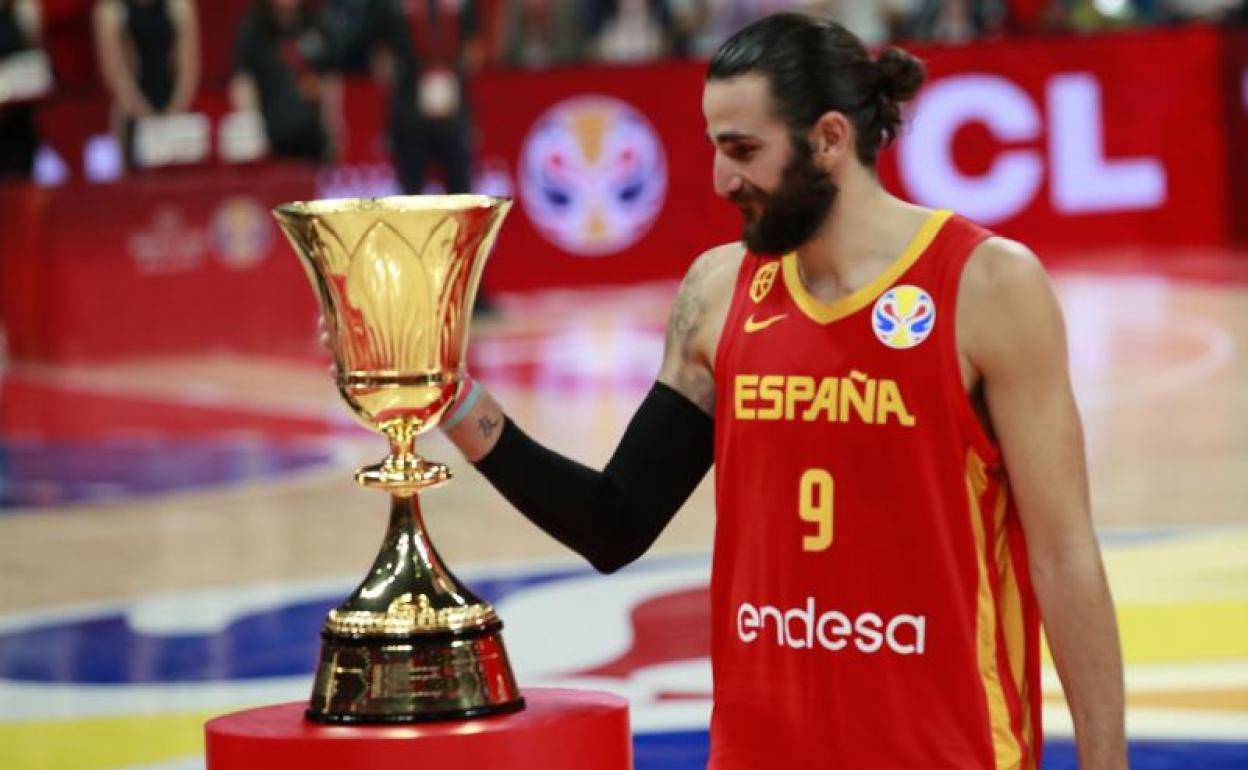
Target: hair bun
(901, 74)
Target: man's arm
(107, 24)
(613, 516)
(186, 22)
(692, 332)
(1010, 328)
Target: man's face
(772, 178)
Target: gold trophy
(396, 279)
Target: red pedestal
(558, 730)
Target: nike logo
(752, 326)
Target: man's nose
(727, 180)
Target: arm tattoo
(688, 319)
(487, 426)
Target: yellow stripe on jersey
(1008, 753)
(859, 299)
(1012, 623)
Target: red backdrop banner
(1064, 143)
(1235, 89)
(162, 265)
(1081, 142)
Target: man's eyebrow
(729, 136)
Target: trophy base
(413, 719)
(421, 678)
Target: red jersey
(870, 594)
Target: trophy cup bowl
(396, 279)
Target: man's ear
(831, 139)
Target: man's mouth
(749, 207)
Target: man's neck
(866, 229)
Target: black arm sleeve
(609, 517)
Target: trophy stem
(403, 471)
(408, 590)
(411, 643)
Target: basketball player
(900, 473)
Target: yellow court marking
(1234, 701)
(1198, 631)
(1209, 567)
(102, 744)
(1182, 599)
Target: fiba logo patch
(242, 232)
(764, 279)
(593, 175)
(903, 317)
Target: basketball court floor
(172, 532)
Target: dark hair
(815, 66)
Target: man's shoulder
(1006, 305)
(715, 270)
(999, 268)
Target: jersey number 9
(815, 505)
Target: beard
(792, 212)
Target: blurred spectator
(542, 33)
(425, 53)
(706, 24)
(355, 26)
(284, 67)
(875, 22)
(1211, 10)
(956, 21)
(1031, 16)
(149, 58)
(698, 27)
(19, 37)
(631, 30)
(439, 50)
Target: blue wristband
(465, 406)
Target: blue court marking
(278, 642)
(42, 474)
(684, 750)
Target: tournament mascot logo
(243, 231)
(903, 317)
(593, 175)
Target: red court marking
(62, 412)
(654, 641)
